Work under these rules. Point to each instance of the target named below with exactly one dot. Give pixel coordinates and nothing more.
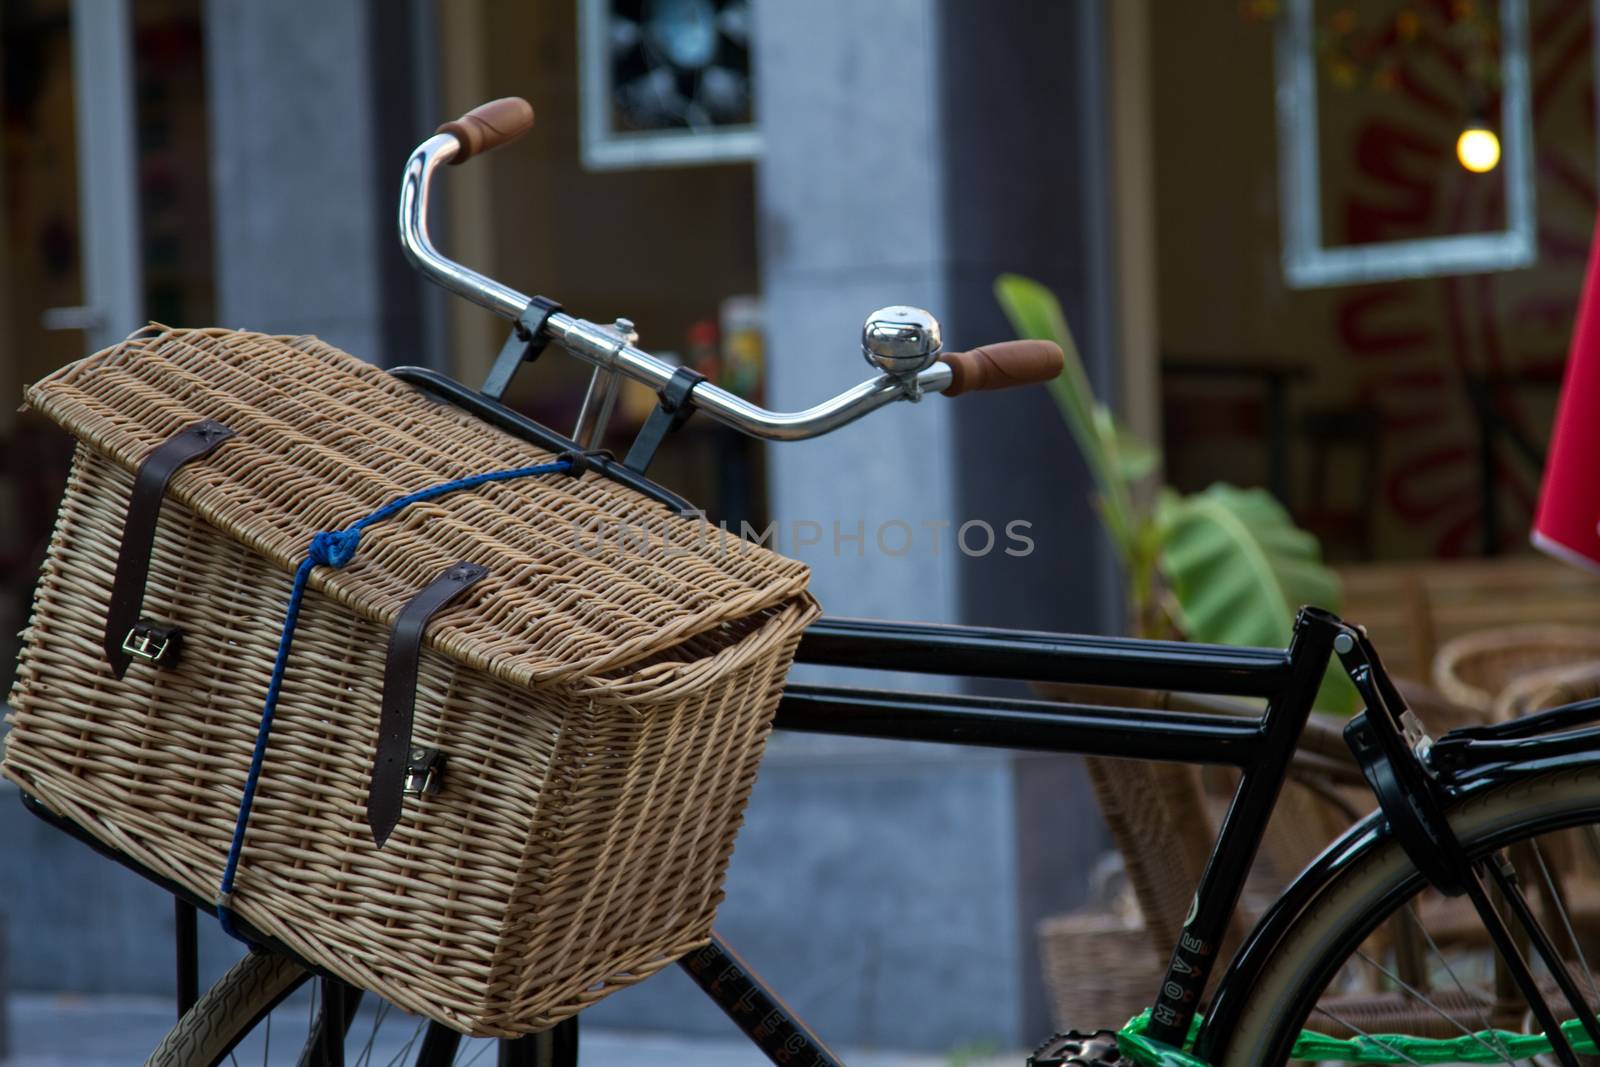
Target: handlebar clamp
(526, 342)
(672, 410)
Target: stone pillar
(311, 119)
(1026, 163)
(1025, 158)
(913, 150)
(850, 198)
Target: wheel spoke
(1505, 876)
(1484, 1022)
(405, 1050)
(479, 1054)
(1509, 952)
(1559, 900)
(439, 1046)
(1353, 1028)
(377, 1020)
(1427, 1002)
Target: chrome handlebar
(610, 351)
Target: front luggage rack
(496, 414)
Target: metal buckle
(151, 641)
(424, 771)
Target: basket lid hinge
(122, 639)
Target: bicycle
(1476, 814)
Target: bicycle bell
(900, 340)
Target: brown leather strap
(387, 792)
(139, 530)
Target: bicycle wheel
(268, 1010)
(1379, 952)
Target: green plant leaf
(1240, 569)
(1237, 565)
(1035, 312)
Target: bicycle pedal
(1075, 1049)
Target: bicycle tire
(231, 1013)
(1375, 888)
(209, 1031)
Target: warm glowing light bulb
(1478, 149)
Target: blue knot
(331, 548)
(334, 548)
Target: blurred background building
(746, 179)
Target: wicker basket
(603, 709)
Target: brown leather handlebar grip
(1000, 366)
(489, 126)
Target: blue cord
(328, 549)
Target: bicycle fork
(1391, 748)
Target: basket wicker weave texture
(603, 709)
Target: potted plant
(1224, 565)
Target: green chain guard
(1485, 1046)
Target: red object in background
(1567, 524)
(701, 352)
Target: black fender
(1360, 840)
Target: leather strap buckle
(152, 641)
(424, 771)
(401, 769)
(139, 535)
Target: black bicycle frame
(1260, 747)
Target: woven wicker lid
(586, 575)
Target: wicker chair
(1100, 966)
(1475, 668)
(1547, 688)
